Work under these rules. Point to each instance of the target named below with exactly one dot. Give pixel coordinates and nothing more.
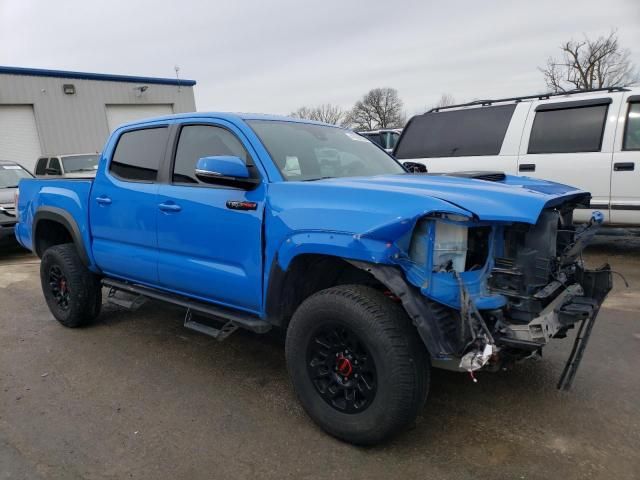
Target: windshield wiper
(10, 186)
(314, 179)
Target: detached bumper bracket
(579, 346)
(597, 284)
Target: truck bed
(69, 197)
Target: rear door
(479, 138)
(571, 142)
(124, 204)
(207, 247)
(625, 176)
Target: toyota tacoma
(376, 275)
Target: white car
(80, 165)
(588, 139)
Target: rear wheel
(73, 293)
(357, 364)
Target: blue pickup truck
(375, 274)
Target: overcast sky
(274, 56)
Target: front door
(123, 206)
(207, 247)
(571, 142)
(625, 176)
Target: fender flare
(65, 219)
(436, 324)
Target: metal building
(57, 112)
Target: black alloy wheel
(341, 369)
(59, 287)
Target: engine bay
(508, 288)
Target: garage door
(19, 141)
(119, 114)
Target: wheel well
(306, 275)
(49, 233)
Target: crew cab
(375, 274)
(586, 138)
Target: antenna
(177, 69)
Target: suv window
(374, 137)
(139, 153)
(632, 128)
(54, 167)
(568, 130)
(41, 167)
(390, 139)
(456, 133)
(197, 141)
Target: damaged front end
(484, 294)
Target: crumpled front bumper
(577, 303)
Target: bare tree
(303, 112)
(379, 108)
(588, 63)
(446, 99)
(326, 113)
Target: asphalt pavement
(138, 396)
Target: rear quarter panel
(71, 196)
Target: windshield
(80, 163)
(303, 151)
(10, 175)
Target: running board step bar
(128, 301)
(225, 315)
(219, 334)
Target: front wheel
(357, 364)
(73, 293)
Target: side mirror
(225, 170)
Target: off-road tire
(401, 362)
(84, 298)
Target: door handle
(169, 207)
(527, 167)
(624, 167)
(103, 200)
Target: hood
(6, 196)
(384, 207)
(515, 199)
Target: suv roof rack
(540, 96)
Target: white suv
(588, 139)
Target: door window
(198, 141)
(41, 167)
(374, 137)
(54, 167)
(632, 128)
(568, 130)
(138, 154)
(390, 140)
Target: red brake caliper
(344, 366)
